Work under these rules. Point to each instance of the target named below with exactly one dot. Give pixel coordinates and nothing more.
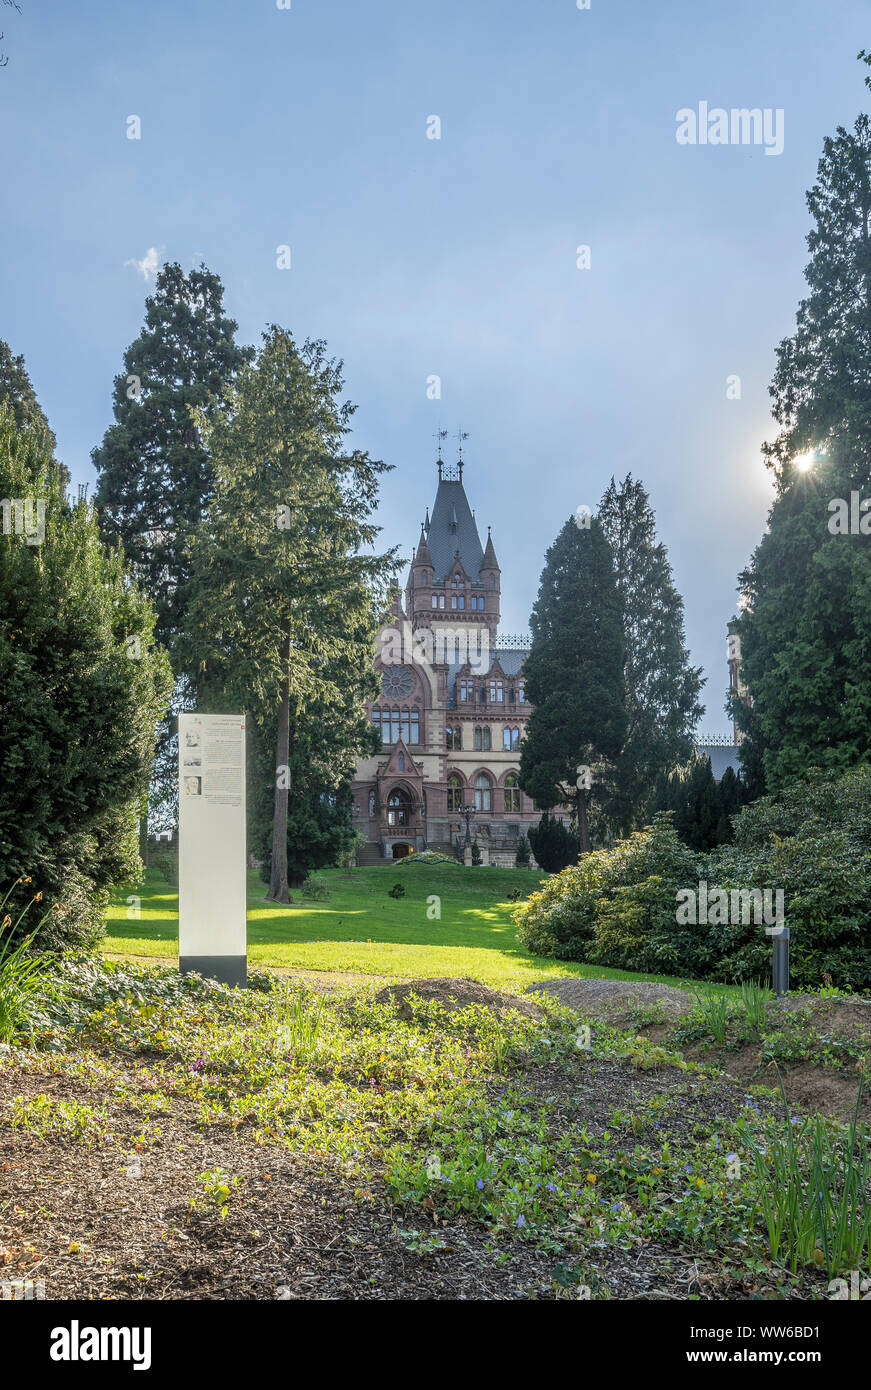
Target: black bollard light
(780, 962)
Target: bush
(476, 854)
(522, 854)
(19, 973)
(618, 907)
(165, 861)
(83, 689)
(397, 891)
(316, 888)
(553, 844)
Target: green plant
(476, 854)
(19, 971)
(523, 853)
(316, 888)
(812, 1190)
(300, 1026)
(397, 891)
(755, 995)
(217, 1186)
(714, 1008)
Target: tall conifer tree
(662, 688)
(806, 628)
(574, 676)
(284, 604)
(154, 473)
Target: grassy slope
(362, 930)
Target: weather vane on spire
(461, 435)
(439, 435)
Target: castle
(453, 704)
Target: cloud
(149, 264)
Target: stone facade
(453, 706)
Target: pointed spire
(422, 555)
(489, 561)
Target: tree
(806, 627)
(320, 766)
(661, 687)
(820, 386)
(701, 807)
(284, 604)
(155, 478)
(574, 677)
(17, 392)
(84, 686)
(522, 854)
(553, 844)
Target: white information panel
(212, 937)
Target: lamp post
(467, 813)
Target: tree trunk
(279, 889)
(583, 828)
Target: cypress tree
(662, 688)
(574, 676)
(806, 628)
(155, 478)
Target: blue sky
(453, 257)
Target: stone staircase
(370, 854)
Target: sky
(453, 258)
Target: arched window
(454, 737)
(371, 803)
(512, 793)
(510, 739)
(483, 793)
(415, 726)
(398, 808)
(492, 581)
(455, 792)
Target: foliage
(553, 844)
(316, 888)
(155, 478)
(17, 392)
(19, 972)
(425, 856)
(285, 590)
(702, 807)
(574, 675)
(661, 688)
(523, 853)
(813, 1183)
(84, 686)
(439, 1108)
(806, 629)
(476, 855)
(618, 907)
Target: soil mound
(617, 999)
(455, 994)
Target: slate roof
(452, 528)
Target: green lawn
(361, 930)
